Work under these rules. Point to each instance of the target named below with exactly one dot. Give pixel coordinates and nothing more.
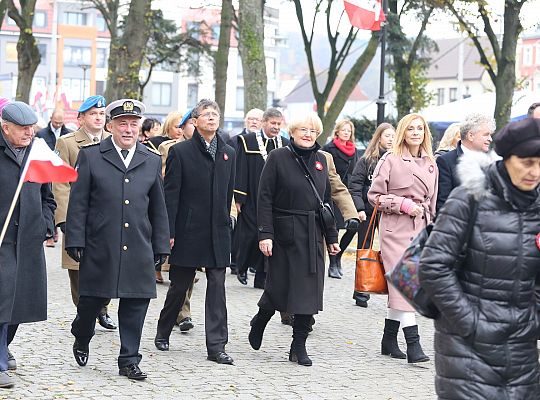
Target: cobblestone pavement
(344, 347)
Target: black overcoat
(448, 179)
(198, 193)
(344, 167)
(486, 337)
(48, 135)
(288, 214)
(23, 276)
(118, 216)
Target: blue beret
(186, 116)
(19, 113)
(92, 101)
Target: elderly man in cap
(117, 228)
(92, 121)
(23, 278)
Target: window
(194, 69)
(101, 58)
(215, 32)
(527, 55)
(440, 96)
(452, 94)
(240, 99)
(11, 52)
(101, 26)
(100, 87)
(271, 67)
(270, 99)
(161, 94)
(192, 94)
(537, 57)
(194, 29)
(40, 19)
(75, 18)
(239, 69)
(75, 55)
(42, 52)
(73, 88)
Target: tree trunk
(347, 86)
(222, 55)
(127, 53)
(28, 57)
(251, 46)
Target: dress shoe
(221, 358)
(186, 324)
(80, 352)
(252, 270)
(361, 299)
(11, 362)
(161, 344)
(132, 371)
(234, 270)
(287, 319)
(242, 277)
(6, 380)
(106, 321)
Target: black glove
(352, 224)
(62, 226)
(159, 260)
(232, 222)
(76, 253)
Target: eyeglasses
(209, 115)
(310, 131)
(254, 119)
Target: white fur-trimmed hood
(471, 170)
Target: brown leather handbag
(369, 276)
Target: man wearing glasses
(199, 180)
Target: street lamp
(84, 68)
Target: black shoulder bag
(327, 218)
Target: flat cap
(520, 138)
(186, 116)
(123, 107)
(91, 102)
(19, 113)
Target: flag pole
(381, 101)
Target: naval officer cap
(19, 113)
(123, 107)
(91, 102)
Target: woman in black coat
(359, 184)
(291, 235)
(345, 155)
(486, 335)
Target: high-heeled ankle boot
(389, 344)
(298, 352)
(258, 325)
(415, 353)
(333, 271)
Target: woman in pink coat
(405, 185)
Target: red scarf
(348, 148)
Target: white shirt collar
(55, 131)
(265, 136)
(131, 152)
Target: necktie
(96, 139)
(124, 153)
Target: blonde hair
(399, 139)
(449, 136)
(310, 118)
(339, 126)
(169, 122)
(372, 149)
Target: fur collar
(472, 170)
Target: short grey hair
(203, 105)
(473, 122)
(272, 113)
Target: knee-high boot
(389, 344)
(298, 351)
(414, 350)
(258, 325)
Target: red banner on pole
(365, 14)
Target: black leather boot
(389, 344)
(338, 263)
(298, 351)
(333, 271)
(415, 353)
(258, 324)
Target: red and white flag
(365, 14)
(44, 165)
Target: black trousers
(215, 308)
(131, 315)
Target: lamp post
(84, 68)
(381, 101)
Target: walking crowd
(184, 196)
